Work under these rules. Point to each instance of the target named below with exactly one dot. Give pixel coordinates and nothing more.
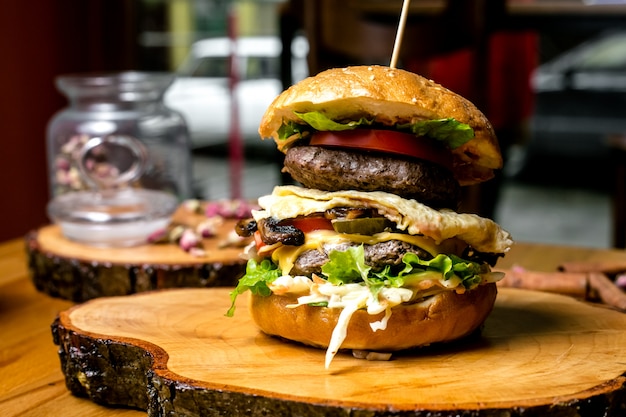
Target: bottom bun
(440, 318)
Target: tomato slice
(258, 241)
(310, 224)
(386, 141)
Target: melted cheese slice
(285, 256)
(484, 235)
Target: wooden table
(31, 381)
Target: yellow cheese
(285, 256)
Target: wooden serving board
(173, 352)
(78, 272)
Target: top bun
(389, 96)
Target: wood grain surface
(539, 354)
(78, 272)
(31, 381)
(51, 241)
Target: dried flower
(620, 281)
(230, 209)
(189, 240)
(159, 236)
(210, 226)
(213, 209)
(176, 233)
(62, 163)
(232, 240)
(193, 205)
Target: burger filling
(411, 159)
(362, 250)
(353, 272)
(448, 131)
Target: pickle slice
(361, 226)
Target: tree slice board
(74, 271)
(173, 352)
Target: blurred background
(550, 75)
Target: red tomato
(258, 241)
(387, 141)
(309, 224)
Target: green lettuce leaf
(447, 265)
(256, 278)
(349, 266)
(291, 128)
(449, 131)
(319, 121)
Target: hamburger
(367, 253)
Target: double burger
(367, 253)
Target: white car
(202, 90)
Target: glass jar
(112, 213)
(127, 105)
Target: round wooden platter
(78, 272)
(173, 352)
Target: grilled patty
(336, 169)
(377, 256)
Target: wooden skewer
(399, 33)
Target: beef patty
(335, 169)
(377, 256)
